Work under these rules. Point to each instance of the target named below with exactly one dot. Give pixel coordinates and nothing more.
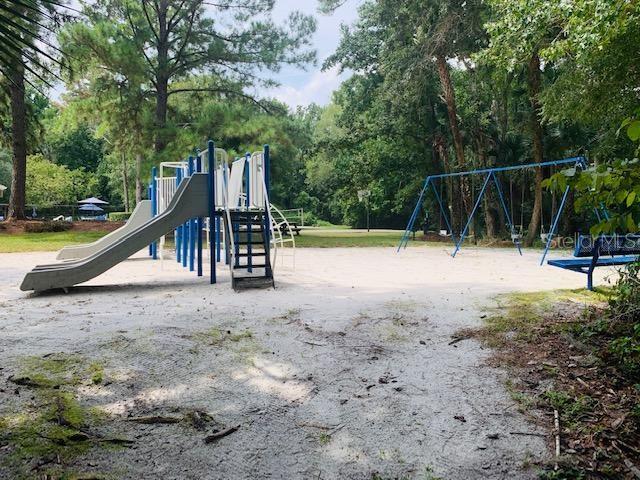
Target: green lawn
(320, 238)
(44, 242)
(325, 238)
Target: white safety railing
(230, 242)
(281, 234)
(166, 187)
(282, 237)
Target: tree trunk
(162, 99)
(19, 144)
(448, 201)
(125, 184)
(139, 186)
(490, 201)
(568, 225)
(535, 81)
(450, 99)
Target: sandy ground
(348, 371)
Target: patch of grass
(242, 344)
(563, 473)
(429, 475)
(289, 316)
(45, 242)
(524, 401)
(341, 238)
(324, 438)
(557, 348)
(97, 373)
(520, 316)
(51, 371)
(571, 408)
(392, 334)
(217, 336)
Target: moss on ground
(520, 316)
(44, 434)
(218, 336)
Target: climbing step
(251, 244)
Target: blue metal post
(213, 218)
(247, 173)
(154, 207)
(554, 226)
(199, 222)
(443, 211)
(473, 212)
(180, 228)
(266, 154)
(192, 227)
(185, 237)
(407, 233)
(149, 196)
(236, 237)
(506, 210)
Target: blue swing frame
(490, 174)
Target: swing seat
(627, 248)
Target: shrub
(625, 321)
(310, 219)
(47, 226)
(119, 216)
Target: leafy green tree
(78, 149)
(49, 184)
(165, 42)
(5, 170)
(241, 126)
(518, 31)
(23, 29)
(611, 188)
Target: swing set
(490, 176)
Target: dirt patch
(346, 370)
(556, 364)
(20, 226)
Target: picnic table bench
(290, 228)
(620, 250)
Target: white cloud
(317, 89)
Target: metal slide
(191, 200)
(141, 215)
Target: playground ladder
(247, 241)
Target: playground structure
(241, 182)
(232, 202)
(490, 176)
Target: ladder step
(257, 242)
(244, 283)
(244, 267)
(250, 216)
(252, 254)
(246, 230)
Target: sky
(303, 87)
